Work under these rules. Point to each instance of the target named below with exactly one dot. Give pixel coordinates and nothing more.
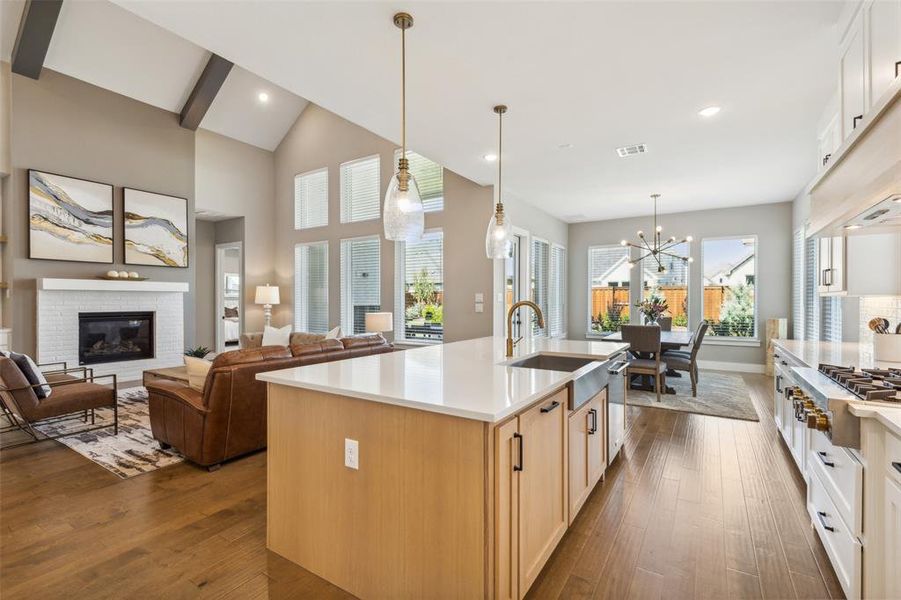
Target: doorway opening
(229, 295)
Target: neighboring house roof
(729, 271)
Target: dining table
(669, 340)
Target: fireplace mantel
(110, 285)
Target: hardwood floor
(696, 507)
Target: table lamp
(379, 322)
(267, 295)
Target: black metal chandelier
(657, 248)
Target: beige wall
(5, 101)
(322, 139)
(205, 298)
(73, 128)
(771, 223)
(238, 179)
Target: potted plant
(198, 352)
(653, 307)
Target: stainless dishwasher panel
(616, 405)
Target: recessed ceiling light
(263, 97)
(709, 111)
(631, 150)
(854, 226)
(490, 157)
(565, 146)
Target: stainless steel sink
(581, 389)
(548, 362)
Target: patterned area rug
(719, 394)
(132, 452)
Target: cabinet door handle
(826, 159)
(822, 457)
(897, 466)
(550, 407)
(518, 436)
(855, 120)
(897, 68)
(822, 517)
(593, 427)
(778, 382)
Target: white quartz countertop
(889, 417)
(846, 354)
(469, 379)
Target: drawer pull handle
(897, 466)
(518, 436)
(593, 428)
(822, 517)
(549, 408)
(854, 124)
(827, 463)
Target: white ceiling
(108, 46)
(593, 75)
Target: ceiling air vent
(631, 150)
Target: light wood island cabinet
(587, 451)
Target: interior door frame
(499, 308)
(220, 290)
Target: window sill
(725, 341)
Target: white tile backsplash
(878, 306)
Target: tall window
(608, 284)
(420, 289)
(798, 284)
(670, 283)
(540, 292)
(430, 179)
(311, 199)
(311, 287)
(556, 320)
(360, 282)
(730, 282)
(360, 189)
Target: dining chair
(680, 360)
(644, 340)
(666, 323)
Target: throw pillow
(334, 334)
(276, 336)
(231, 313)
(197, 371)
(32, 374)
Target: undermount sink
(584, 387)
(549, 362)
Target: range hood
(884, 216)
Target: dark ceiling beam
(204, 92)
(35, 31)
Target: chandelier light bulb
(659, 228)
(688, 238)
(623, 243)
(690, 259)
(641, 234)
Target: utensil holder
(887, 347)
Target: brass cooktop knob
(822, 422)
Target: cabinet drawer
(842, 477)
(841, 545)
(893, 455)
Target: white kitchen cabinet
(828, 141)
(883, 26)
(852, 76)
(892, 538)
(873, 264)
(831, 258)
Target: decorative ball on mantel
(123, 274)
(112, 274)
(134, 275)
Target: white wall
(771, 223)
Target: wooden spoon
(879, 324)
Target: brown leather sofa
(228, 418)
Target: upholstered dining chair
(681, 360)
(666, 323)
(644, 340)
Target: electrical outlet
(351, 453)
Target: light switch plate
(480, 297)
(480, 308)
(351, 453)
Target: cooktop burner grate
(868, 384)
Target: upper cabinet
(852, 77)
(882, 21)
(832, 265)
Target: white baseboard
(719, 365)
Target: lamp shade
(267, 294)
(379, 322)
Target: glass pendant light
(402, 213)
(499, 238)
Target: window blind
(311, 287)
(831, 319)
(419, 301)
(798, 284)
(360, 282)
(311, 199)
(557, 294)
(811, 297)
(429, 177)
(540, 281)
(360, 189)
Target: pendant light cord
(500, 154)
(403, 93)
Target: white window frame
(726, 340)
(625, 250)
(397, 152)
(345, 201)
(543, 332)
(500, 287)
(563, 304)
(400, 252)
(297, 225)
(301, 308)
(346, 292)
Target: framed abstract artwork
(69, 218)
(156, 229)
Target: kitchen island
(442, 471)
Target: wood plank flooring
(696, 507)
